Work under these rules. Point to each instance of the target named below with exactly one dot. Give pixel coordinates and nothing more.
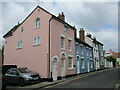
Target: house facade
(42, 42)
(84, 55)
(97, 51)
(101, 55)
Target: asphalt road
(105, 79)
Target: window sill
(19, 48)
(71, 68)
(62, 48)
(36, 45)
(36, 28)
(70, 50)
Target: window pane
(69, 44)
(38, 40)
(62, 42)
(37, 23)
(34, 43)
(20, 44)
(70, 63)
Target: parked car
(22, 76)
(4, 82)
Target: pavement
(45, 84)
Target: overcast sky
(98, 18)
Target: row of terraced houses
(48, 45)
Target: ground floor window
(70, 62)
(82, 63)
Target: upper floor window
(36, 40)
(81, 49)
(77, 48)
(65, 28)
(87, 51)
(19, 44)
(62, 42)
(69, 44)
(37, 23)
(21, 29)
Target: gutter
(49, 76)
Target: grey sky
(98, 18)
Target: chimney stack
(81, 34)
(61, 16)
(88, 35)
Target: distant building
(84, 54)
(114, 54)
(97, 51)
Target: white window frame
(36, 41)
(62, 36)
(37, 24)
(19, 44)
(70, 56)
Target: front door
(55, 70)
(78, 67)
(62, 67)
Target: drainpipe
(49, 51)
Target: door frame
(55, 57)
(64, 62)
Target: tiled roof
(115, 54)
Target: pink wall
(33, 57)
(36, 57)
(57, 28)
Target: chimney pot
(61, 16)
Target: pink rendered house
(43, 43)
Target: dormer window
(37, 23)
